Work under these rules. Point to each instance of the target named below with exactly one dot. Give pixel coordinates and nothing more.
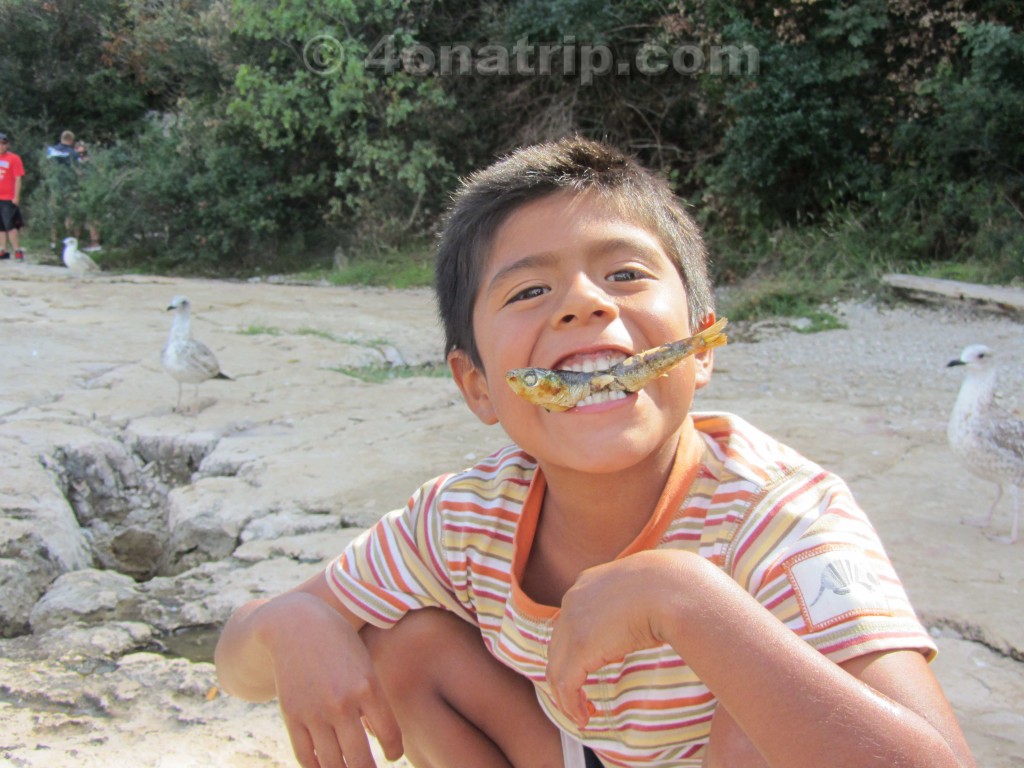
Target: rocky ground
(128, 532)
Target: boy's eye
(624, 275)
(528, 293)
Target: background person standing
(62, 180)
(11, 172)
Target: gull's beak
(958, 361)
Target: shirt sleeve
(809, 554)
(399, 564)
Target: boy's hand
(612, 609)
(326, 685)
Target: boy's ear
(473, 385)
(704, 362)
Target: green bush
(958, 191)
(192, 194)
(235, 137)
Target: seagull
(988, 441)
(187, 361)
(79, 263)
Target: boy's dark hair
(490, 196)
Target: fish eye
(530, 378)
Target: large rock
(88, 596)
(117, 501)
(95, 642)
(39, 536)
(205, 521)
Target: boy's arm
(17, 190)
(796, 707)
(243, 652)
(729, 746)
(304, 648)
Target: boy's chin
(595, 455)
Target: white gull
(187, 360)
(79, 263)
(988, 441)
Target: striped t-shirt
(786, 530)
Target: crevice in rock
(118, 489)
(195, 642)
(174, 459)
(976, 634)
(84, 705)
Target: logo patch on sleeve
(833, 584)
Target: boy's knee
(451, 695)
(420, 628)
(416, 648)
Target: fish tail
(711, 336)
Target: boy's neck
(589, 520)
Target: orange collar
(677, 486)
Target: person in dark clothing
(63, 182)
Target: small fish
(558, 390)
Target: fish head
(539, 386)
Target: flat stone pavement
(869, 402)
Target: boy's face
(571, 281)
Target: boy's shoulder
(761, 496)
(505, 475)
(740, 452)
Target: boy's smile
(573, 283)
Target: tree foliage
(243, 133)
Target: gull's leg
(995, 503)
(1015, 491)
(1016, 514)
(984, 522)
(177, 407)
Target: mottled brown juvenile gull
(77, 262)
(187, 360)
(989, 441)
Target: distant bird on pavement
(79, 263)
(988, 441)
(187, 361)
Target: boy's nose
(584, 300)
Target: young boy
(665, 588)
(11, 173)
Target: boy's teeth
(599, 363)
(601, 397)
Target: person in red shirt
(11, 172)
